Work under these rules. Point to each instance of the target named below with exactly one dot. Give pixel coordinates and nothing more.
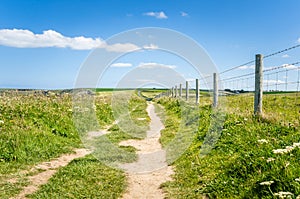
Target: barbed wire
(282, 66)
(267, 56)
(236, 77)
(282, 51)
(233, 68)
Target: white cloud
(20, 38)
(184, 14)
(121, 65)
(158, 15)
(246, 67)
(289, 66)
(126, 47)
(271, 81)
(299, 40)
(155, 65)
(150, 47)
(190, 79)
(285, 56)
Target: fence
(260, 81)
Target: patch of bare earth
(49, 169)
(146, 175)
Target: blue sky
(43, 44)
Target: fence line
(260, 81)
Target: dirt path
(50, 168)
(151, 170)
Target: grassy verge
(36, 128)
(244, 163)
(84, 178)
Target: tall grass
(244, 160)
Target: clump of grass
(129, 126)
(84, 178)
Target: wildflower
(270, 159)
(262, 141)
(287, 164)
(267, 182)
(296, 144)
(283, 194)
(280, 151)
(297, 179)
(1, 122)
(289, 148)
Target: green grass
(238, 163)
(84, 178)
(36, 128)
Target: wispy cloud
(158, 15)
(150, 47)
(184, 14)
(272, 81)
(246, 67)
(121, 65)
(289, 66)
(121, 47)
(20, 38)
(285, 56)
(155, 65)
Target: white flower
(270, 159)
(296, 144)
(1, 122)
(267, 182)
(262, 141)
(289, 148)
(297, 179)
(283, 194)
(287, 164)
(280, 151)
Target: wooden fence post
(186, 90)
(197, 91)
(172, 91)
(258, 84)
(180, 90)
(216, 90)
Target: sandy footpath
(151, 170)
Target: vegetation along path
(49, 169)
(150, 170)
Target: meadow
(35, 128)
(254, 157)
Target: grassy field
(254, 157)
(35, 128)
(245, 162)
